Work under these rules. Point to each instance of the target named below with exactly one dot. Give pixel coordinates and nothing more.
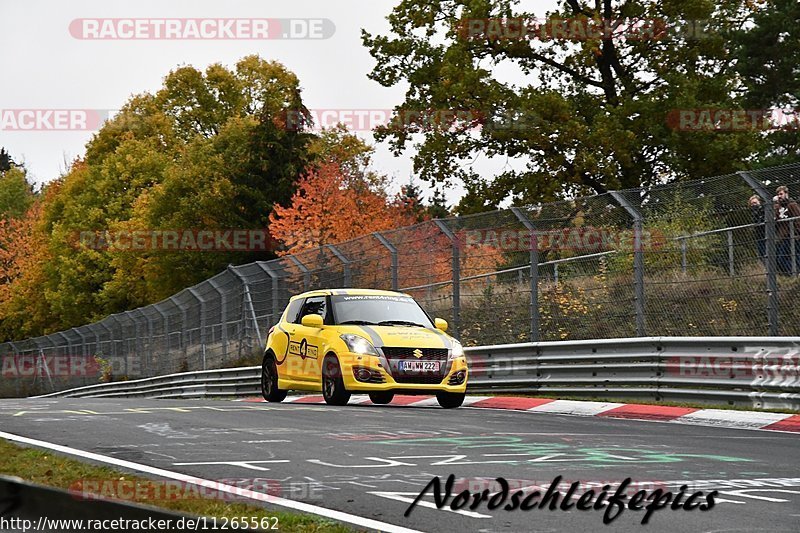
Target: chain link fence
(699, 258)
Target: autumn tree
(16, 193)
(332, 206)
(580, 113)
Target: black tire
(332, 383)
(381, 398)
(450, 400)
(269, 380)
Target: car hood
(401, 336)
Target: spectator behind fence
(786, 208)
(758, 218)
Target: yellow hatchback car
(346, 341)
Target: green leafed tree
(767, 55)
(574, 112)
(16, 193)
(210, 150)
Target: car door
(305, 343)
(282, 337)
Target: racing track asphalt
(369, 460)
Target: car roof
(351, 291)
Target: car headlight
(358, 344)
(457, 350)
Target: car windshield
(379, 310)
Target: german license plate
(419, 366)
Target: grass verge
(45, 468)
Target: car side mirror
(440, 323)
(312, 321)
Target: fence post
(16, 355)
(276, 310)
(110, 337)
(730, 253)
(345, 263)
(304, 269)
(638, 260)
(117, 354)
(140, 341)
(223, 316)
(534, 259)
(393, 252)
(202, 302)
(683, 255)
(771, 259)
(248, 303)
(793, 248)
(456, 274)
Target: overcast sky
(45, 67)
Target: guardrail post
(534, 259)
(393, 252)
(456, 274)
(223, 315)
(771, 259)
(202, 302)
(276, 303)
(345, 263)
(638, 260)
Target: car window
(379, 309)
(292, 314)
(316, 305)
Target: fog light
(458, 378)
(362, 374)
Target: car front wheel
(332, 383)
(450, 400)
(269, 381)
(381, 398)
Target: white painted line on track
(229, 489)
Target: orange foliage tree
(329, 207)
(23, 258)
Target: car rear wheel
(450, 400)
(332, 383)
(381, 398)
(269, 381)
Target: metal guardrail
(756, 372)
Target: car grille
(428, 354)
(395, 354)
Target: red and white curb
(652, 413)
